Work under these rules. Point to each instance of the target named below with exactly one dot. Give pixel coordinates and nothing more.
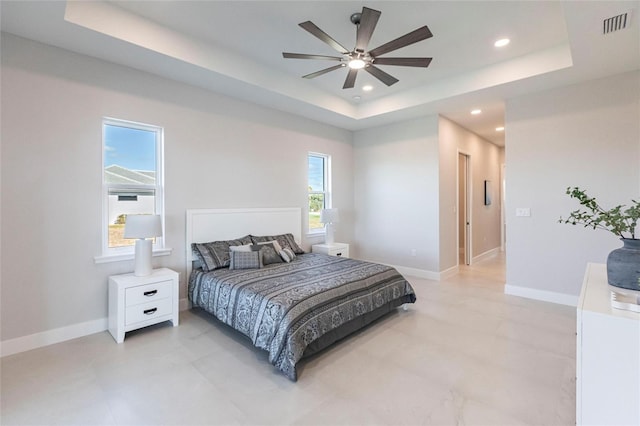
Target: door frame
(468, 241)
(503, 218)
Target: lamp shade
(143, 226)
(329, 216)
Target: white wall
(219, 153)
(585, 135)
(485, 160)
(396, 194)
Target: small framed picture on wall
(487, 193)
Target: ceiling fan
(361, 58)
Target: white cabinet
(335, 249)
(607, 357)
(136, 302)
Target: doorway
(464, 209)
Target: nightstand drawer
(148, 311)
(148, 293)
(335, 249)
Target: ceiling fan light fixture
(361, 57)
(356, 64)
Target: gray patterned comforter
(284, 307)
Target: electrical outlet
(523, 212)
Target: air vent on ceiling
(615, 23)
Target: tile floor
(464, 354)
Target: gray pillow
(215, 254)
(245, 260)
(285, 240)
(269, 253)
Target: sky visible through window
(316, 173)
(133, 149)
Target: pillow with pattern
(287, 254)
(285, 240)
(245, 260)
(269, 253)
(274, 242)
(215, 254)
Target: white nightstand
(136, 302)
(335, 249)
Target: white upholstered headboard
(204, 225)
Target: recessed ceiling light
(500, 129)
(502, 42)
(367, 88)
(357, 98)
(476, 111)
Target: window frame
(127, 252)
(327, 193)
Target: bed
(291, 309)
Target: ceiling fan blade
(405, 62)
(313, 29)
(305, 56)
(324, 71)
(381, 75)
(350, 81)
(415, 36)
(368, 21)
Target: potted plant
(623, 264)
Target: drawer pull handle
(150, 293)
(150, 311)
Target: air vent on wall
(615, 23)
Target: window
(132, 179)
(319, 189)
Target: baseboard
(419, 273)
(424, 273)
(487, 254)
(50, 337)
(62, 334)
(447, 273)
(544, 295)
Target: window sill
(316, 234)
(128, 256)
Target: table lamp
(143, 226)
(329, 217)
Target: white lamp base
(143, 257)
(328, 239)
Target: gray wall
(395, 185)
(405, 193)
(219, 153)
(585, 135)
(396, 193)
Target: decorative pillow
(285, 240)
(276, 246)
(215, 254)
(287, 254)
(245, 247)
(269, 253)
(245, 260)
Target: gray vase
(623, 265)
